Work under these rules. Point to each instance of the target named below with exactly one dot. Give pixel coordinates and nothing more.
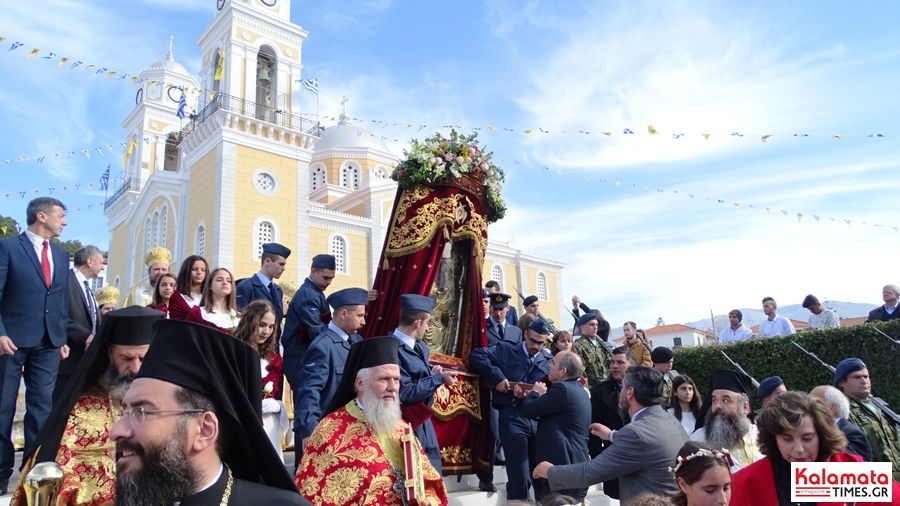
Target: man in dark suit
(262, 285)
(606, 410)
(641, 452)
(324, 362)
(563, 413)
(839, 405)
(511, 317)
(418, 378)
(890, 294)
(502, 365)
(498, 327)
(83, 312)
(33, 302)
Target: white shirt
(779, 326)
(827, 318)
(338, 331)
(219, 319)
(688, 420)
(728, 334)
(38, 243)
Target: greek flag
(181, 105)
(311, 84)
(104, 179)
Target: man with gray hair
(839, 406)
(727, 424)
(563, 412)
(890, 294)
(83, 312)
(641, 452)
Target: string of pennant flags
(312, 85)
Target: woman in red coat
(794, 427)
(257, 328)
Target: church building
(241, 169)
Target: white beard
(382, 417)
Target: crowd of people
(178, 396)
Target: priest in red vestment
(363, 452)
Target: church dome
(168, 64)
(345, 135)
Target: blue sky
(637, 250)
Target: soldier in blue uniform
(324, 361)
(307, 316)
(262, 284)
(418, 378)
(498, 327)
(527, 362)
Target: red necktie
(45, 263)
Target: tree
(660, 322)
(8, 227)
(72, 245)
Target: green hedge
(762, 357)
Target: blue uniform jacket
(417, 384)
(511, 334)
(320, 376)
(304, 317)
(511, 362)
(251, 289)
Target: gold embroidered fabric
(86, 454)
(460, 398)
(422, 212)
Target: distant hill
(794, 311)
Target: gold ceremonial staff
(42, 484)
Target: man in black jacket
(890, 294)
(605, 407)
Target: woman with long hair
(685, 402)
(703, 475)
(192, 279)
(217, 307)
(162, 293)
(793, 427)
(257, 329)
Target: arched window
(163, 224)
(154, 234)
(265, 233)
(317, 178)
(148, 234)
(266, 74)
(497, 275)
(381, 172)
(116, 283)
(350, 176)
(542, 286)
(170, 162)
(200, 240)
(339, 251)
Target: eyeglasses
(138, 415)
(537, 343)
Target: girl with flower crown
(703, 475)
(257, 328)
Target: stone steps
(465, 492)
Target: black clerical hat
(227, 372)
(367, 353)
(725, 379)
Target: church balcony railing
(130, 184)
(248, 108)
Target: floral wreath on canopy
(439, 159)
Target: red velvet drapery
(424, 219)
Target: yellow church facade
(241, 169)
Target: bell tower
(251, 51)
